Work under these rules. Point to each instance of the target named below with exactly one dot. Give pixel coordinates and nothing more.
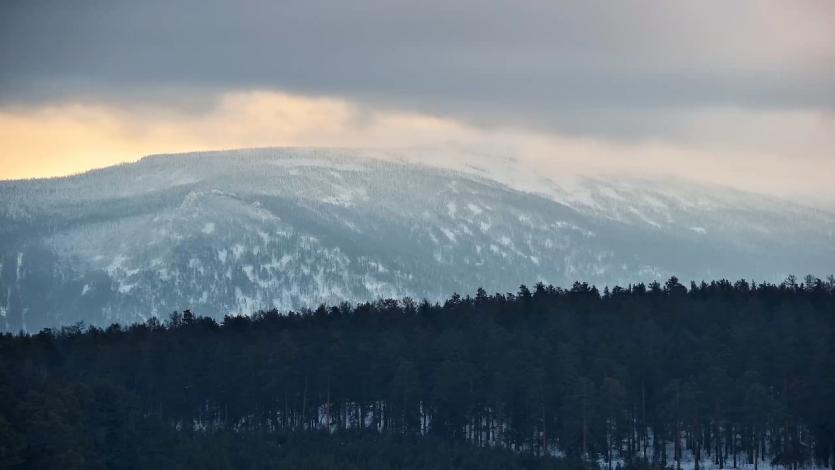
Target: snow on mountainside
(238, 231)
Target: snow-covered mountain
(238, 231)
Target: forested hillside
(725, 374)
(235, 232)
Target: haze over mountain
(237, 231)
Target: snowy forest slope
(238, 231)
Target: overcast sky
(741, 92)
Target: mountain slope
(237, 231)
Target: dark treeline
(735, 374)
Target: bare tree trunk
(697, 445)
(832, 451)
(733, 444)
(304, 402)
(328, 401)
(677, 448)
(544, 432)
(644, 416)
(585, 424)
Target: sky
(739, 93)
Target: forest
(711, 375)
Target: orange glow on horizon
(70, 138)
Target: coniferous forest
(719, 375)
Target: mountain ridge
(237, 231)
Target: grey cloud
(592, 67)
